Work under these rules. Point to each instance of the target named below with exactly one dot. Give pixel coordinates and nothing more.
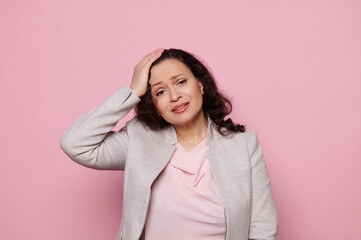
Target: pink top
(185, 203)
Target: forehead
(167, 69)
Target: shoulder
(238, 144)
(141, 130)
(236, 148)
(248, 139)
(136, 125)
(249, 135)
(133, 123)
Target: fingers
(151, 57)
(141, 72)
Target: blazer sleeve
(263, 225)
(91, 142)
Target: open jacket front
(236, 162)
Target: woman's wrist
(136, 91)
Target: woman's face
(176, 93)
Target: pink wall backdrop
(292, 69)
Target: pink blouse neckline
(189, 164)
(185, 203)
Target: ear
(200, 84)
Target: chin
(183, 119)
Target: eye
(159, 93)
(181, 82)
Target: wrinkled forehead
(167, 69)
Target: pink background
(292, 69)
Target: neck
(193, 132)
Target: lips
(180, 107)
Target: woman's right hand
(141, 72)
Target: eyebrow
(175, 76)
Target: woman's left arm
(263, 225)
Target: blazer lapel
(162, 147)
(220, 162)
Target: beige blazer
(237, 165)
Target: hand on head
(141, 72)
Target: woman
(188, 173)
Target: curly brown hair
(215, 104)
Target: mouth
(180, 108)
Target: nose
(174, 95)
